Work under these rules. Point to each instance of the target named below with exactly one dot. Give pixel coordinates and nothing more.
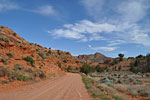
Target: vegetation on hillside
(141, 64)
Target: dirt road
(67, 87)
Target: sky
(82, 26)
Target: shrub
(26, 78)
(145, 93)
(29, 59)
(3, 39)
(99, 68)
(119, 68)
(29, 70)
(4, 81)
(4, 60)
(65, 61)
(37, 49)
(141, 64)
(39, 73)
(32, 55)
(22, 77)
(77, 62)
(58, 52)
(3, 71)
(87, 68)
(9, 54)
(134, 93)
(49, 52)
(18, 67)
(15, 34)
(69, 68)
(116, 97)
(132, 69)
(43, 55)
(59, 64)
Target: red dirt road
(67, 87)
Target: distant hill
(95, 58)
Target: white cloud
(133, 10)
(121, 27)
(115, 34)
(116, 42)
(102, 48)
(7, 5)
(84, 30)
(93, 7)
(141, 38)
(45, 10)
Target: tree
(119, 68)
(148, 55)
(132, 69)
(121, 56)
(87, 68)
(99, 68)
(69, 68)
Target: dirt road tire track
(68, 87)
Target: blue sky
(82, 26)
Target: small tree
(59, 64)
(121, 56)
(132, 69)
(99, 68)
(69, 68)
(30, 60)
(87, 68)
(119, 68)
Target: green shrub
(32, 55)
(37, 49)
(119, 68)
(3, 39)
(39, 73)
(29, 59)
(4, 60)
(132, 69)
(65, 61)
(4, 81)
(87, 68)
(145, 93)
(9, 54)
(49, 52)
(69, 68)
(134, 94)
(18, 67)
(22, 77)
(77, 62)
(59, 64)
(15, 34)
(58, 52)
(3, 71)
(26, 78)
(116, 97)
(99, 68)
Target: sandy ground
(67, 87)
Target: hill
(23, 61)
(95, 58)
